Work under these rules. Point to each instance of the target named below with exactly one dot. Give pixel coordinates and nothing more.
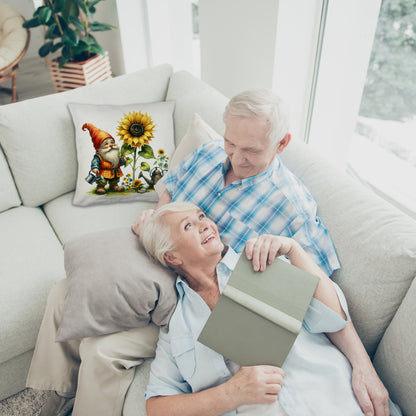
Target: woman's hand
(264, 249)
(141, 219)
(255, 385)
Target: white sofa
(376, 243)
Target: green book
(259, 314)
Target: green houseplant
(68, 28)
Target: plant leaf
(70, 37)
(100, 27)
(44, 15)
(34, 22)
(147, 152)
(45, 49)
(126, 149)
(144, 166)
(96, 48)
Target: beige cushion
(13, 36)
(198, 132)
(113, 286)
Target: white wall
(238, 42)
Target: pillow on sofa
(144, 136)
(198, 133)
(113, 285)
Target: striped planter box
(78, 74)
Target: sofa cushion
(198, 133)
(113, 286)
(394, 359)
(9, 196)
(141, 161)
(191, 95)
(374, 241)
(70, 221)
(48, 131)
(31, 261)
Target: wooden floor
(33, 80)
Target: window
(383, 147)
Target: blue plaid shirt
(273, 202)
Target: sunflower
(161, 152)
(136, 129)
(136, 183)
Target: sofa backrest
(191, 95)
(43, 126)
(9, 197)
(375, 242)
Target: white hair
(156, 235)
(262, 104)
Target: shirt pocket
(183, 352)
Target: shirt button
(219, 194)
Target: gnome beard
(110, 154)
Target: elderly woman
(188, 378)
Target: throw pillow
(113, 285)
(122, 151)
(198, 133)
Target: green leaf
(66, 53)
(100, 27)
(144, 166)
(74, 20)
(147, 152)
(57, 46)
(70, 37)
(44, 15)
(129, 161)
(45, 49)
(62, 61)
(52, 32)
(126, 149)
(96, 48)
(58, 5)
(34, 22)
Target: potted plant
(68, 33)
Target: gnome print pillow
(122, 151)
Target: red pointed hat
(97, 135)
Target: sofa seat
(70, 221)
(33, 256)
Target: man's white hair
(155, 234)
(261, 104)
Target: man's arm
(368, 388)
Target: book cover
(259, 314)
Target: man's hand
(371, 394)
(264, 249)
(255, 385)
(141, 219)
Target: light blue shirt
(272, 202)
(317, 375)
